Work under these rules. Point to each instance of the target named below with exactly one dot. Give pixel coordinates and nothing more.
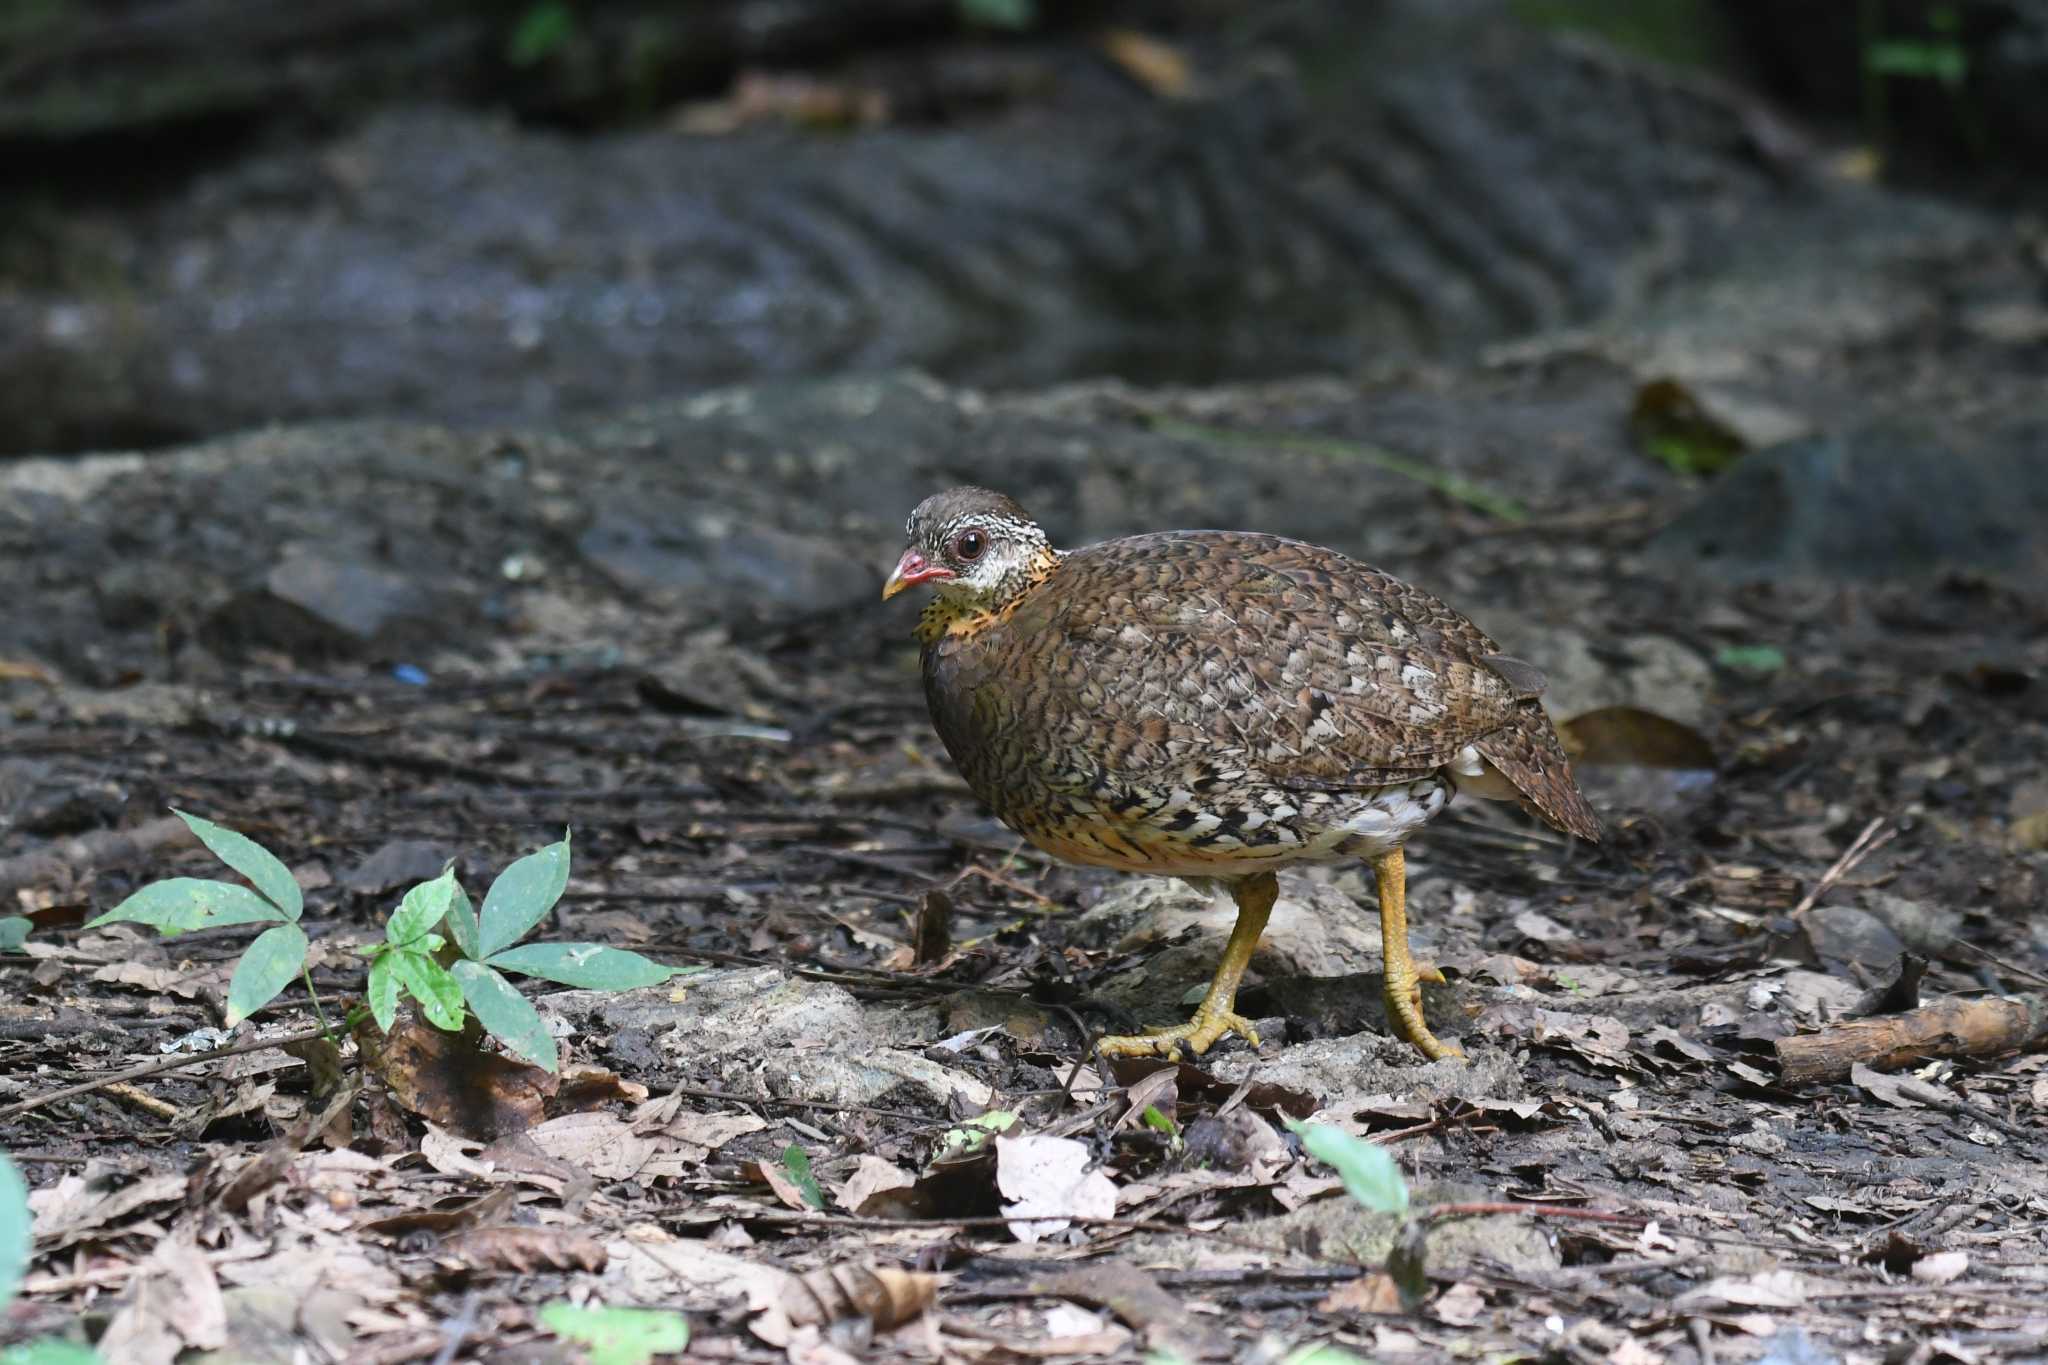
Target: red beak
(910, 570)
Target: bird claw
(1199, 1033)
(1409, 1024)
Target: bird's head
(976, 547)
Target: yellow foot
(1408, 1021)
(1199, 1033)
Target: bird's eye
(969, 545)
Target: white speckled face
(984, 545)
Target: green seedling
(618, 1336)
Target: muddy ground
(404, 644)
(377, 645)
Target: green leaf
(1010, 14)
(506, 1014)
(17, 1230)
(50, 1351)
(1944, 61)
(1371, 1176)
(14, 932)
(462, 924)
(383, 992)
(178, 905)
(970, 1136)
(1758, 659)
(272, 960)
(421, 910)
(252, 860)
(523, 893)
(618, 1336)
(542, 30)
(1323, 1355)
(591, 966)
(798, 1164)
(428, 982)
(1152, 1118)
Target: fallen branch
(1950, 1028)
(64, 860)
(157, 1068)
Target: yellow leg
(1404, 990)
(1214, 1017)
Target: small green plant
(618, 1336)
(797, 1162)
(1373, 1178)
(1756, 660)
(544, 29)
(972, 1135)
(449, 976)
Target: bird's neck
(945, 617)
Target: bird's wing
(1254, 655)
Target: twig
(174, 1062)
(98, 849)
(1861, 847)
(458, 1329)
(992, 1222)
(1435, 1212)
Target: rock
(761, 1031)
(325, 601)
(1843, 935)
(1882, 503)
(398, 863)
(365, 275)
(1338, 1228)
(1315, 931)
(668, 560)
(1340, 1070)
(1654, 672)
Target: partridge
(1213, 705)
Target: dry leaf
(1941, 1267)
(444, 1222)
(81, 1206)
(1370, 1293)
(1048, 1178)
(260, 1173)
(1461, 1305)
(870, 1177)
(1901, 1092)
(173, 1302)
(606, 1147)
(1156, 65)
(1773, 1289)
(447, 1079)
(525, 1250)
(884, 1295)
(1630, 736)
(451, 1154)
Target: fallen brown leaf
(444, 1222)
(1632, 736)
(446, 1078)
(525, 1250)
(264, 1170)
(884, 1295)
(1370, 1293)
